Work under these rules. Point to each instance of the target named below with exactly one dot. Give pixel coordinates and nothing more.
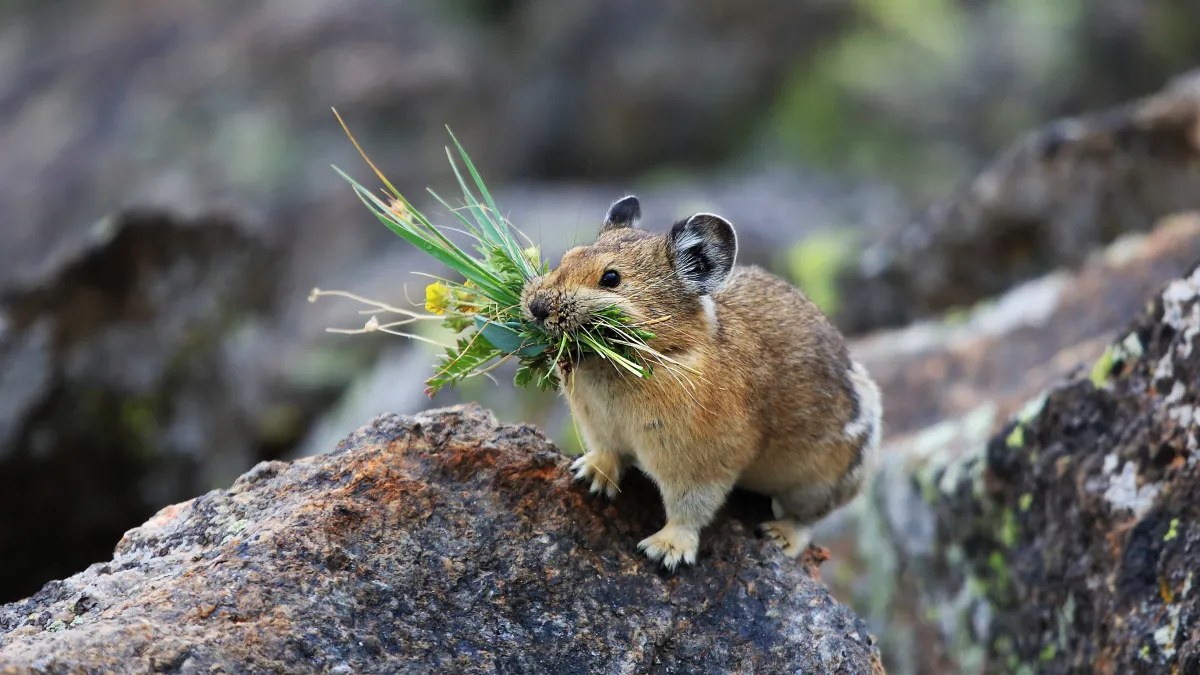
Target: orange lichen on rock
(441, 539)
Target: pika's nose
(540, 309)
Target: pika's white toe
(789, 535)
(603, 469)
(671, 546)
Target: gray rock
(25, 382)
(1028, 527)
(1048, 201)
(112, 385)
(437, 542)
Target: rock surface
(951, 385)
(440, 542)
(1082, 514)
(1013, 347)
(121, 386)
(1052, 531)
(1048, 201)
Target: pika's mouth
(556, 314)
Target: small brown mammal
(757, 389)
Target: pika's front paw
(602, 468)
(790, 536)
(672, 545)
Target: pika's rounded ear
(704, 248)
(624, 212)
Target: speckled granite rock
(443, 542)
(1060, 538)
(950, 386)
(1090, 560)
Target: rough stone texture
(1088, 556)
(1048, 201)
(1060, 537)
(1017, 345)
(949, 387)
(434, 543)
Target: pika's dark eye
(610, 279)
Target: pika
(756, 388)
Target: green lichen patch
(1172, 530)
(1008, 529)
(1000, 590)
(1016, 437)
(1102, 368)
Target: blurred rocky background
(168, 203)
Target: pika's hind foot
(603, 468)
(672, 545)
(788, 534)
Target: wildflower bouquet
(483, 307)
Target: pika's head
(650, 277)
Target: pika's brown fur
(756, 388)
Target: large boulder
(437, 542)
(122, 383)
(948, 387)
(1051, 530)
(1014, 346)
(1048, 201)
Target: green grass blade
(480, 234)
(486, 226)
(484, 282)
(526, 266)
(426, 225)
(498, 233)
(441, 248)
(597, 345)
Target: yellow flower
(437, 297)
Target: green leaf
(487, 228)
(524, 376)
(462, 361)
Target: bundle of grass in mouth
(483, 305)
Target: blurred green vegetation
(813, 263)
(901, 97)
